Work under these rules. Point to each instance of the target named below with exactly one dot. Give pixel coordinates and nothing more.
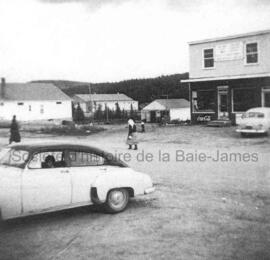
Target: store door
(153, 116)
(266, 99)
(223, 112)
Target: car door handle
(103, 169)
(64, 171)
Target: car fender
(118, 179)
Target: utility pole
(107, 113)
(167, 97)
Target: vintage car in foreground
(255, 121)
(36, 178)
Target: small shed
(175, 109)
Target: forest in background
(142, 90)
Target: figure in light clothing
(132, 135)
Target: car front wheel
(117, 200)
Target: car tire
(117, 200)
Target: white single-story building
(33, 101)
(92, 102)
(176, 109)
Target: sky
(114, 40)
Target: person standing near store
(132, 135)
(14, 131)
(142, 126)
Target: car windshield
(13, 157)
(253, 115)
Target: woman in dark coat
(132, 135)
(14, 131)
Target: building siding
(181, 114)
(35, 110)
(123, 105)
(230, 67)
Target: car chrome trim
(149, 190)
(251, 131)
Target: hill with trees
(143, 90)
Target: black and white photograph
(134, 129)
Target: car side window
(49, 159)
(79, 159)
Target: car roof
(45, 146)
(259, 109)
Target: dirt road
(212, 202)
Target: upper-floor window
(208, 58)
(252, 53)
(41, 109)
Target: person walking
(14, 131)
(132, 135)
(142, 126)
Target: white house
(176, 109)
(33, 101)
(91, 102)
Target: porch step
(219, 123)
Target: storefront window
(203, 101)
(243, 99)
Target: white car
(255, 121)
(36, 178)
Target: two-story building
(229, 75)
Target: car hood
(253, 121)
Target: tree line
(106, 115)
(142, 90)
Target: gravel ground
(216, 208)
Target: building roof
(230, 37)
(33, 92)
(103, 97)
(166, 104)
(242, 76)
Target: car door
(84, 168)
(46, 188)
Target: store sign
(229, 51)
(203, 118)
